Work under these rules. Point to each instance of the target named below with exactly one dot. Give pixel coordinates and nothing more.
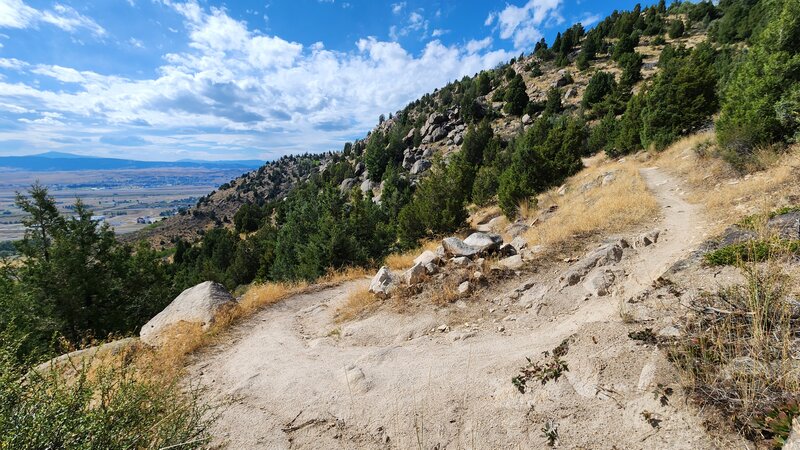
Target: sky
(249, 79)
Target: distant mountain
(57, 161)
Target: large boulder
(416, 274)
(485, 242)
(420, 166)
(347, 184)
(455, 247)
(199, 304)
(382, 283)
(427, 257)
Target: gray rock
(420, 166)
(793, 440)
(464, 288)
(507, 250)
(512, 262)
(485, 242)
(519, 243)
(571, 93)
(455, 247)
(199, 304)
(437, 134)
(608, 178)
(458, 139)
(367, 186)
(408, 162)
(409, 139)
(786, 226)
(603, 255)
(416, 274)
(527, 119)
(516, 229)
(431, 268)
(598, 281)
(647, 239)
(347, 184)
(427, 153)
(670, 332)
(461, 261)
(427, 257)
(382, 283)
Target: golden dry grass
(358, 303)
(620, 204)
(444, 296)
(402, 261)
(727, 195)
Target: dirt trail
(298, 380)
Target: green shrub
(752, 251)
(114, 407)
(676, 29)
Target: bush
(485, 187)
(601, 85)
(113, 407)
(753, 251)
(676, 29)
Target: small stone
(464, 288)
(442, 328)
(501, 328)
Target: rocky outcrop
(382, 283)
(199, 304)
(604, 255)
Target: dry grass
(444, 296)
(402, 261)
(740, 349)
(727, 195)
(620, 204)
(358, 303)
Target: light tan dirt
(295, 379)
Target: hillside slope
(392, 380)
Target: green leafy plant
(551, 369)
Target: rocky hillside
(436, 124)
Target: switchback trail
(294, 378)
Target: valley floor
(291, 377)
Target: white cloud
(136, 42)
(474, 46)
(397, 8)
(16, 14)
(279, 96)
(439, 32)
(589, 19)
(415, 23)
(521, 23)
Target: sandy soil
(292, 378)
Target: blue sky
(207, 79)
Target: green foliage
(603, 134)
(776, 425)
(631, 65)
(551, 369)
(600, 86)
(248, 218)
(515, 96)
(752, 251)
(626, 44)
(740, 20)
(487, 180)
(682, 98)
(114, 408)
(627, 138)
(552, 105)
(676, 29)
(438, 205)
(760, 98)
(547, 153)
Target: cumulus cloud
(522, 24)
(16, 14)
(237, 90)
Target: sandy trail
(297, 380)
